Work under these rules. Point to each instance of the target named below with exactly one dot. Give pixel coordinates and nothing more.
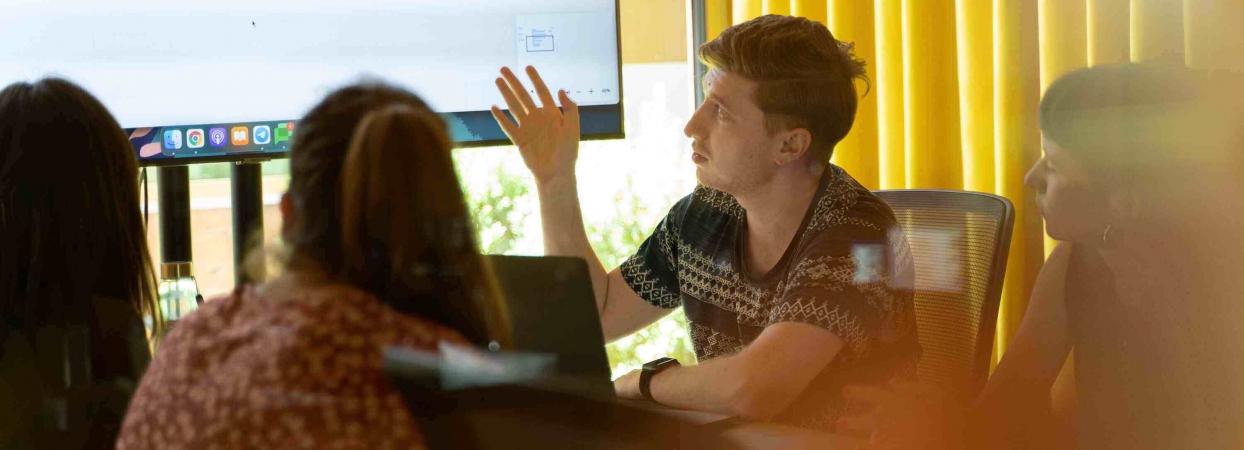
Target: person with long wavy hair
(75, 272)
(380, 251)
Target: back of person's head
(806, 78)
(378, 205)
(71, 229)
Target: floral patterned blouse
(280, 366)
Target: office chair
(959, 242)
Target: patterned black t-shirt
(849, 270)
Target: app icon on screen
(282, 132)
(194, 138)
(172, 139)
(239, 136)
(263, 135)
(216, 137)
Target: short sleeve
(846, 286)
(652, 272)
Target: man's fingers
(518, 89)
(570, 109)
(506, 125)
(516, 108)
(867, 394)
(546, 98)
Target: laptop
(525, 411)
(553, 310)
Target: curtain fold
(717, 17)
(975, 29)
(888, 77)
(745, 10)
(1109, 41)
(812, 9)
(1157, 30)
(776, 6)
(1214, 34)
(1064, 47)
(956, 85)
(1017, 146)
(852, 21)
(930, 80)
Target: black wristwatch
(652, 368)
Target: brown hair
(805, 76)
(71, 229)
(379, 206)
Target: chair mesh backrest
(959, 241)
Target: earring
(1105, 235)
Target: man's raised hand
(547, 137)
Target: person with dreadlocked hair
(75, 273)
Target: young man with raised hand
(795, 279)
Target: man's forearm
(723, 385)
(709, 386)
(564, 232)
(756, 383)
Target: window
(211, 220)
(625, 188)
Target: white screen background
(159, 63)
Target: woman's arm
(1013, 411)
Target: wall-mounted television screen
(226, 80)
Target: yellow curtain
(817, 11)
(745, 10)
(956, 85)
(718, 15)
(975, 25)
(852, 21)
(1108, 31)
(1162, 24)
(1017, 145)
(888, 76)
(776, 6)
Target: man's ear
(795, 144)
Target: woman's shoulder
(307, 351)
(289, 317)
(1051, 280)
(335, 307)
(1060, 258)
(217, 313)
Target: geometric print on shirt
(848, 270)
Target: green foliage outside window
(501, 221)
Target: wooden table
(751, 435)
(706, 430)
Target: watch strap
(651, 369)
